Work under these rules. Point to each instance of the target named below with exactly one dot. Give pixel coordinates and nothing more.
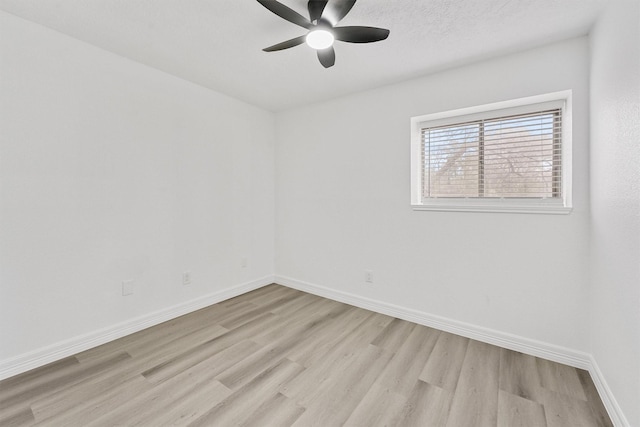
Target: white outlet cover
(127, 287)
(368, 276)
(186, 278)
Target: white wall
(111, 170)
(615, 202)
(343, 206)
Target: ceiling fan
(324, 15)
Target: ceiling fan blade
(285, 45)
(360, 34)
(316, 7)
(285, 12)
(337, 10)
(327, 57)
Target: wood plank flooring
(281, 357)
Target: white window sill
(496, 206)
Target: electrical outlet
(186, 278)
(368, 276)
(244, 262)
(127, 287)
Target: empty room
(320, 213)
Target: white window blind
(515, 156)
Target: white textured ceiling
(218, 43)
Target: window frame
(561, 205)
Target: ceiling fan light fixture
(321, 27)
(319, 39)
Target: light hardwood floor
(280, 357)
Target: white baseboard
(42, 356)
(609, 401)
(536, 348)
(57, 351)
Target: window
(505, 157)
